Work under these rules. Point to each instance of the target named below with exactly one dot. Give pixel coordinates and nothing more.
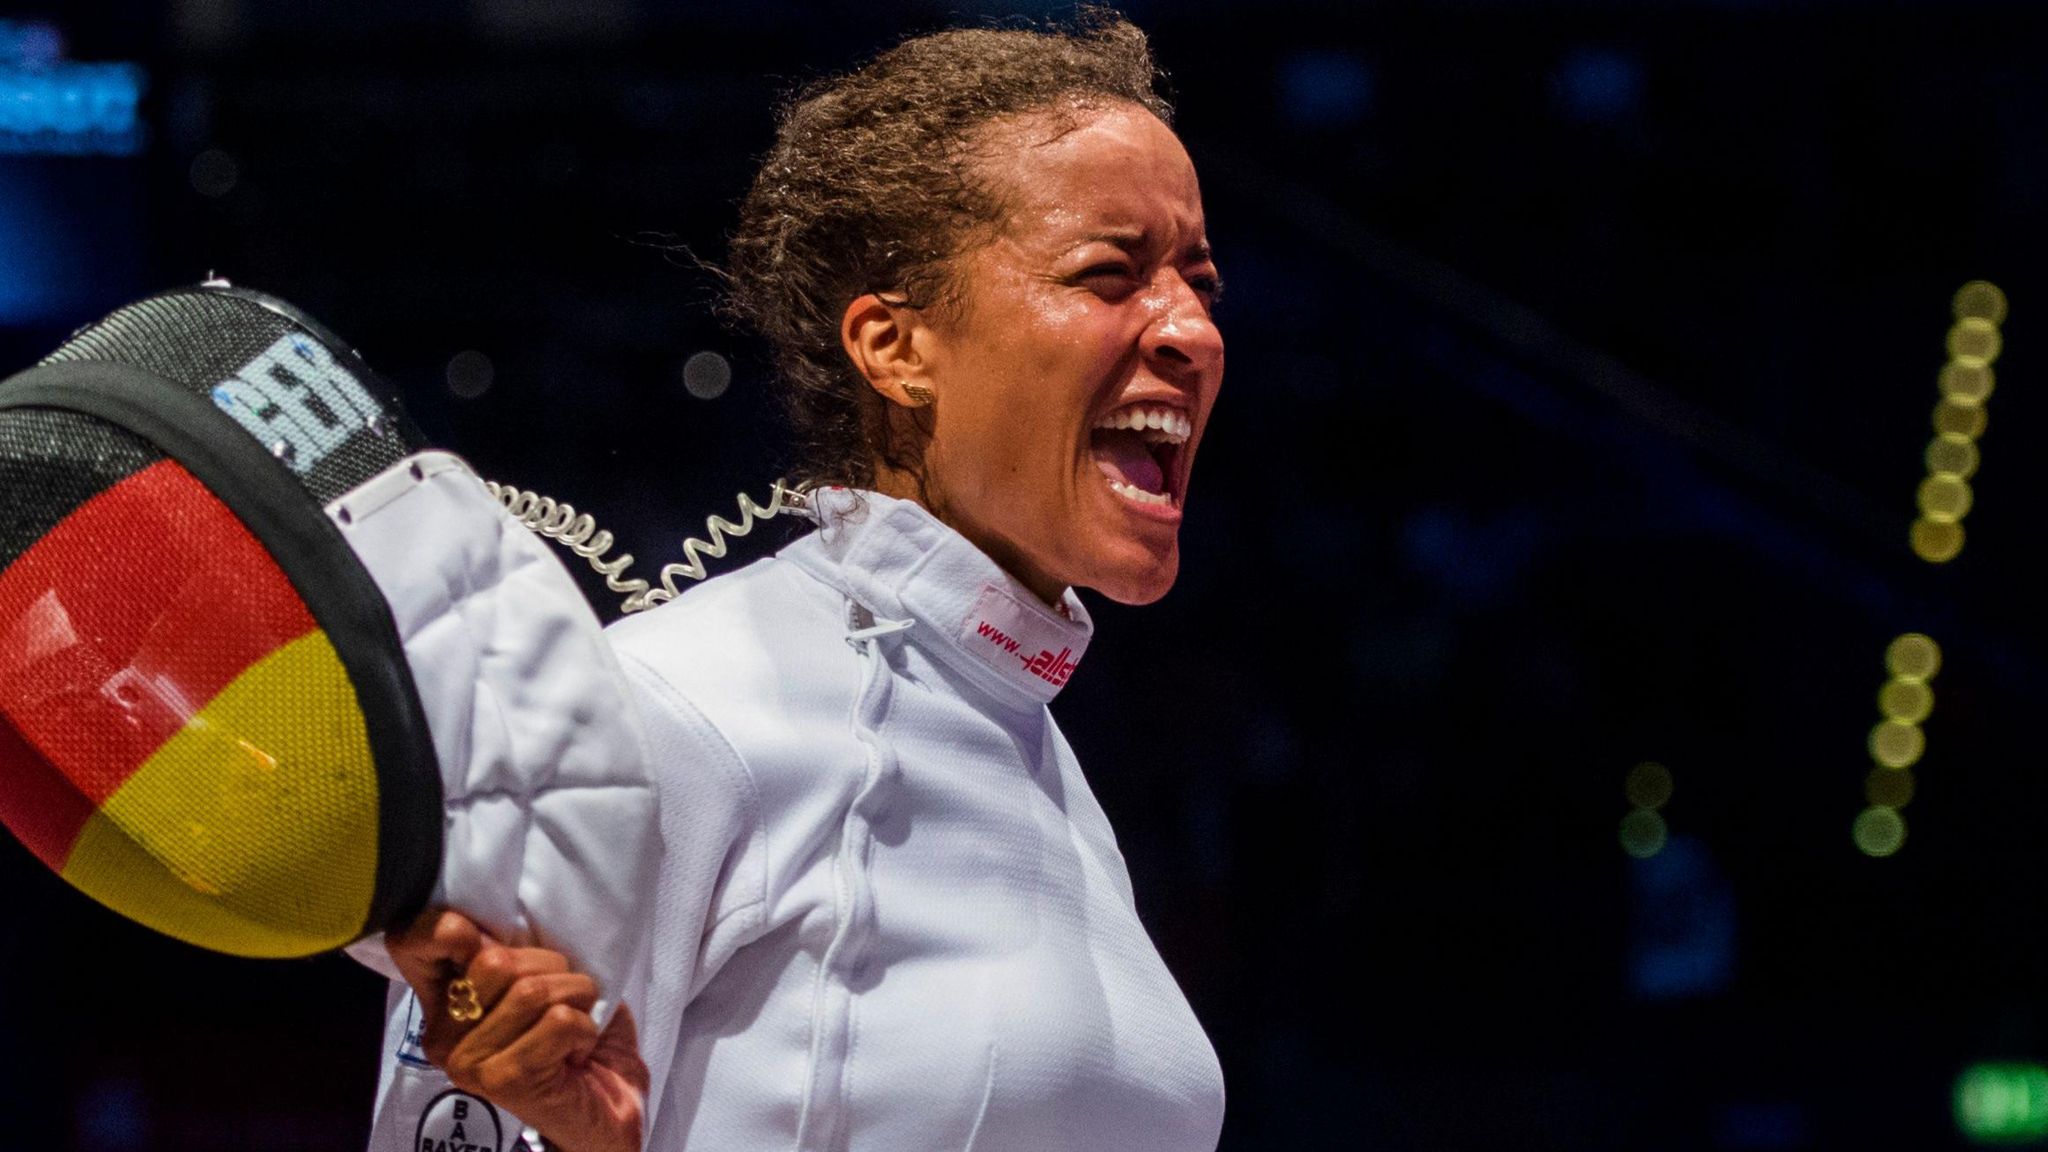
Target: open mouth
(1137, 449)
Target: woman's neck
(916, 488)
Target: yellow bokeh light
(1952, 456)
(1913, 656)
(1878, 831)
(1897, 744)
(1974, 340)
(1643, 833)
(1967, 382)
(1907, 700)
(1649, 785)
(1944, 499)
(1953, 419)
(1937, 543)
(1980, 300)
(1889, 787)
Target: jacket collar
(900, 562)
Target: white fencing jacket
(890, 915)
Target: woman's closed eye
(1114, 281)
(1111, 281)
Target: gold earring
(920, 396)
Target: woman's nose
(1182, 331)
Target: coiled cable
(579, 533)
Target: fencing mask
(274, 676)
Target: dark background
(1581, 362)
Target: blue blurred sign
(70, 109)
(30, 42)
(69, 242)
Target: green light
(1878, 831)
(2002, 1103)
(1643, 833)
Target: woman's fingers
(531, 1046)
(580, 1088)
(496, 968)
(560, 1037)
(431, 953)
(517, 1010)
(434, 946)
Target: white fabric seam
(552, 789)
(988, 1091)
(750, 795)
(816, 1132)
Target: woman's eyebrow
(1128, 239)
(1131, 240)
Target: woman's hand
(534, 1049)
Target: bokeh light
(706, 375)
(213, 173)
(1889, 787)
(1643, 833)
(1897, 744)
(1906, 700)
(470, 374)
(1952, 456)
(1967, 382)
(1913, 656)
(1944, 499)
(1936, 542)
(1955, 419)
(2002, 1103)
(1975, 340)
(1878, 831)
(1649, 785)
(1980, 300)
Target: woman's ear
(883, 342)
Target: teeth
(1132, 492)
(1160, 423)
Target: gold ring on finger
(463, 1006)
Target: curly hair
(871, 186)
